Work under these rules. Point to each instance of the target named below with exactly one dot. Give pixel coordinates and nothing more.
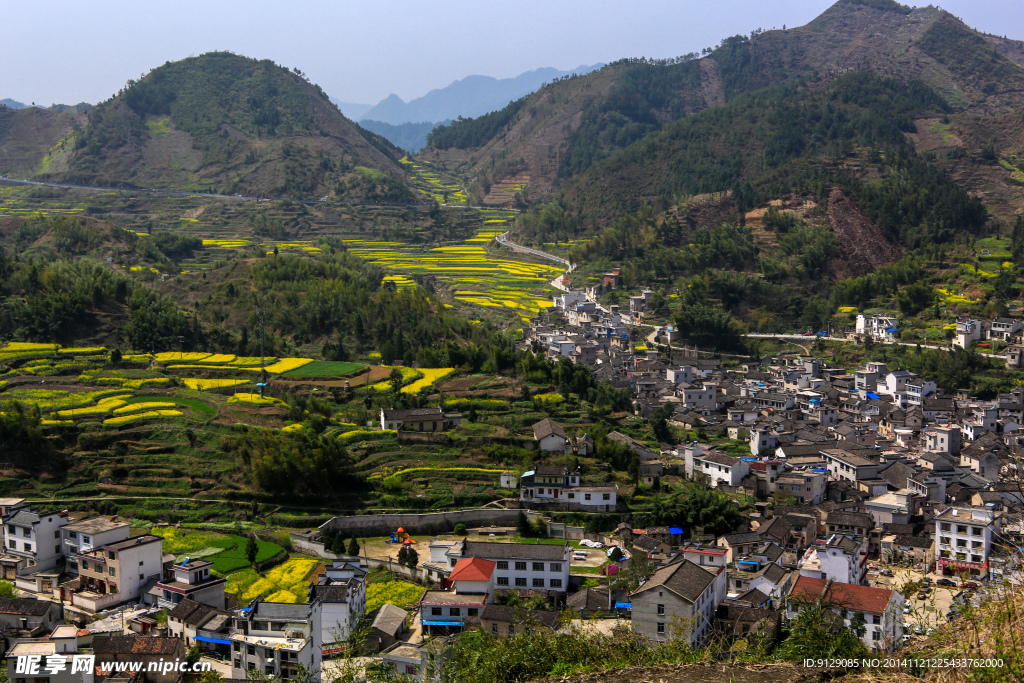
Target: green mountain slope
(235, 125)
(567, 126)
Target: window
(661, 627)
(435, 611)
(269, 669)
(538, 566)
(960, 529)
(235, 647)
(72, 534)
(28, 547)
(455, 611)
(661, 609)
(607, 496)
(85, 565)
(975, 558)
(56, 549)
(140, 563)
(13, 544)
(251, 666)
(556, 566)
(556, 583)
(502, 580)
(11, 529)
(268, 653)
(56, 534)
(975, 531)
(511, 629)
(876, 635)
(961, 543)
(472, 611)
(538, 583)
(521, 582)
(251, 649)
(502, 564)
(520, 566)
(238, 663)
(572, 496)
(85, 539)
(494, 629)
(586, 496)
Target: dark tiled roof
(745, 537)
(280, 610)
(685, 579)
(190, 611)
(25, 606)
(389, 619)
(593, 599)
(414, 414)
(855, 519)
(335, 592)
(513, 615)
(136, 645)
(547, 427)
(513, 551)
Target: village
(897, 505)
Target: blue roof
(871, 394)
(623, 605)
(891, 329)
(441, 623)
(213, 640)
(674, 530)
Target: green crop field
(324, 368)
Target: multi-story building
(942, 439)
(116, 572)
(840, 558)
(274, 638)
(85, 535)
(850, 466)
(883, 327)
(192, 580)
(881, 609)
(721, 468)
(520, 565)
(342, 595)
(53, 659)
(807, 486)
(557, 485)
(963, 540)
(34, 538)
(680, 595)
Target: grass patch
(325, 368)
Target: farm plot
(324, 368)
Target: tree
(115, 356)
(7, 590)
(403, 555)
(395, 379)
(412, 558)
(540, 527)
(353, 547)
(818, 633)
(251, 549)
(460, 529)
(615, 555)
(523, 527)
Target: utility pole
(263, 360)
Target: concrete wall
(426, 523)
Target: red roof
(472, 569)
(848, 595)
(759, 466)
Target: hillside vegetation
(226, 123)
(564, 128)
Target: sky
(360, 51)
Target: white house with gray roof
(80, 537)
(34, 538)
(273, 638)
(681, 595)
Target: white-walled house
(550, 436)
(963, 539)
(273, 638)
(720, 468)
(82, 536)
(881, 608)
(34, 538)
(520, 565)
(682, 592)
(192, 580)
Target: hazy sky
(361, 51)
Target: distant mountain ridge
(561, 130)
(470, 96)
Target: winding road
(503, 240)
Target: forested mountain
(567, 126)
(231, 124)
